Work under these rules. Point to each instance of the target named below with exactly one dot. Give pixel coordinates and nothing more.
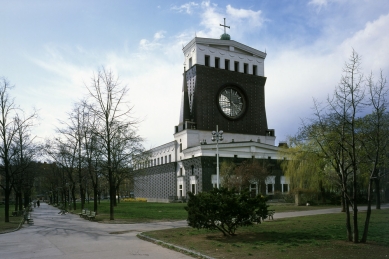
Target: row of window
(227, 65)
(154, 162)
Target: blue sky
(50, 49)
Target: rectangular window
(217, 62)
(180, 171)
(194, 188)
(236, 66)
(162, 160)
(206, 61)
(180, 188)
(285, 188)
(245, 68)
(155, 162)
(180, 148)
(226, 64)
(254, 70)
(270, 188)
(165, 159)
(170, 158)
(158, 161)
(190, 62)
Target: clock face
(231, 102)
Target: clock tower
(224, 85)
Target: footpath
(68, 236)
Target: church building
(223, 90)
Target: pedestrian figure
(38, 203)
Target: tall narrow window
(165, 159)
(236, 66)
(180, 147)
(226, 64)
(194, 188)
(170, 158)
(217, 62)
(161, 160)
(270, 188)
(158, 161)
(245, 68)
(206, 61)
(190, 62)
(254, 70)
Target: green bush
(224, 210)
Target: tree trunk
(348, 223)
(74, 197)
(355, 209)
(368, 213)
(378, 193)
(95, 198)
(343, 203)
(16, 201)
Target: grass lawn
(134, 212)
(321, 236)
(13, 221)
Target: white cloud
(188, 7)
(372, 44)
(318, 3)
(241, 21)
(251, 18)
(159, 35)
(296, 76)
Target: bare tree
(374, 141)
(114, 115)
(8, 134)
(25, 152)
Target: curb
(173, 247)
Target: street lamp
(217, 136)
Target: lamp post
(216, 136)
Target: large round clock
(231, 102)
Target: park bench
(87, 213)
(92, 215)
(270, 214)
(83, 212)
(27, 217)
(17, 213)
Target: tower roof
(223, 42)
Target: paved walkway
(69, 236)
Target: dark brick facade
(160, 182)
(202, 86)
(157, 182)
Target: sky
(49, 51)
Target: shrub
(224, 210)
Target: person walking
(38, 203)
